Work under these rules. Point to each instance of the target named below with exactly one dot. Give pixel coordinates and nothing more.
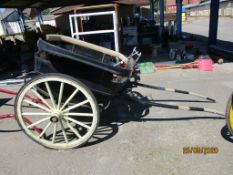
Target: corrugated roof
(61, 3)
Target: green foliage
(45, 12)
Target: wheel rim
(231, 117)
(66, 113)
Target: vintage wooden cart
(60, 109)
(76, 77)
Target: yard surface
(201, 27)
(147, 140)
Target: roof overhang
(42, 4)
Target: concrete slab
(144, 141)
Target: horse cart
(60, 108)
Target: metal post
(179, 17)
(116, 38)
(40, 17)
(21, 20)
(213, 25)
(152, 9)
(161, 9)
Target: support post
(40, 18)
(161, 9)
(21, 20)
(213, 25)
(152, 10)
(179, 17)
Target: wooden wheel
(57, 111)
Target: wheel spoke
(78, 123)
(79, 114)
(40, 97)
(69, 99)
(75, 106)
(73, 130)
(45, 129)
(41, 91)
(38, 122)
(60, 95)
(36, 113)
(50, 94)
(54, 132)
(37, 105)
(64, 132)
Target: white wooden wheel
(57, 111)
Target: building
(171, 4)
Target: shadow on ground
(123, 110)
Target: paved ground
(145, 141)
(201, 27)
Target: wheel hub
(56, 116)
(54, 119)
